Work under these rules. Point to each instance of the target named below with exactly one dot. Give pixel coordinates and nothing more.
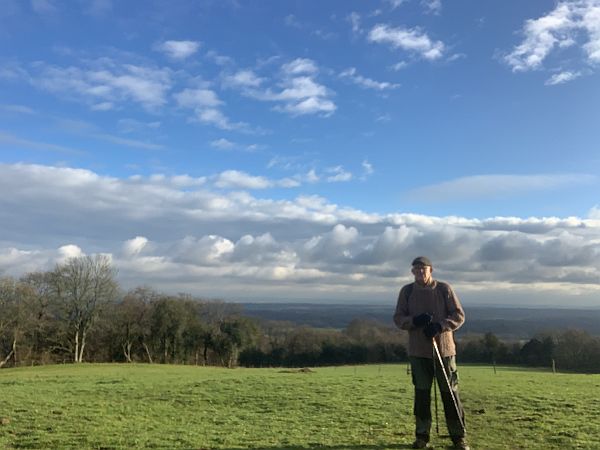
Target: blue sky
(290, 150)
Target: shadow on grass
(437, 446)
(327, 447)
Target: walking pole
(439, 358)
(437, 421)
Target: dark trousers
(422, 376)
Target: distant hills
(506, 323)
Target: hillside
(356, 408)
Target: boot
(420, 443)
(460, 443)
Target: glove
(432, 330)
(422, 320)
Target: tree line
(569, 350)
(77, 312)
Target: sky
(303, 150)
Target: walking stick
(437, 421)
(439, 358)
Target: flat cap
(422, 260)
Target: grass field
(361, 408)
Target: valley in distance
(505, 322)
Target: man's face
(422, 273)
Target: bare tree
(15, 317)
(132, 319)
(43, 327)
(9, 321)
(82, 286)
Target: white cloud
(13, 72)
(226, 144)
(591, 23)
(15, 262)
(283, 162)
(338, 174)
(210, 250)
(186, 181)
(103, 106)
(399, 66)
(235, 179)
(220, 60)
(562, 27)
(235, 245)
(205, 104)
(288, 183)
(80, 192)
(133, 247)
(222, 144)
(145, 85)
(367, 83)
(562, 77)
(312, 177)
(336, 246)
(354, 19)
(541, 36)
(367, 169)
(412, 40)
(300, 66)
(396, 3)
(310, 105)
(197, 98)
(213, 116)
(179, 50)
(254, 147)
(243, 78)
(107, 82)
(303, 95)
(291, 21)
(241, 180)
(484, 186)
(432, 6)
(69, 251)
(298, 93)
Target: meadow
(120, 406)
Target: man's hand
(422, 320)
(432, 330)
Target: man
(428, 310)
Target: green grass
(361, 408)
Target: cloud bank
(228, 243)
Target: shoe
(420, 443)
(460, 444)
